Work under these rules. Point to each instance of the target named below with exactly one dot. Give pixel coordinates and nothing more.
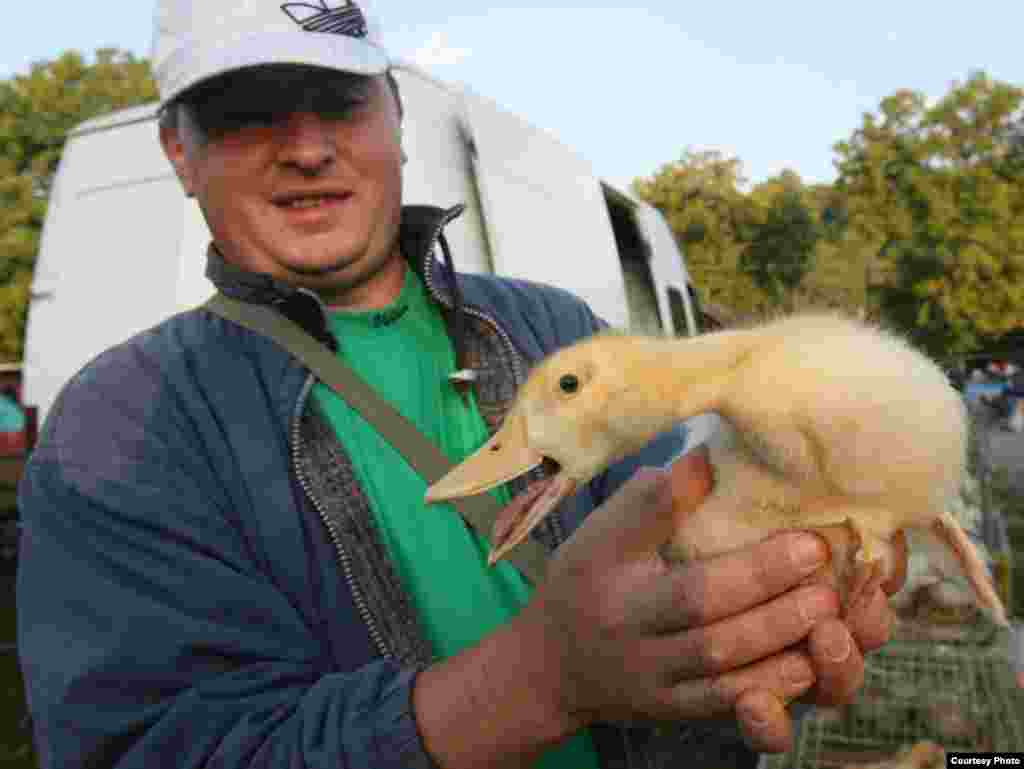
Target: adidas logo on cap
(346, 19)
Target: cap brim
(191, 65)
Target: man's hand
(735, 636)
(616, 632)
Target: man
(247, 574)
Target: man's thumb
(692, 480)
(643, 514)
(689, 479)
(637, 518)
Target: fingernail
(814, 607)
(806, 552)
(796, 674)
(753, 715)
(836, 646)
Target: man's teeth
(309, 202)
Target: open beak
(505, 456)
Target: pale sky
(630, 88)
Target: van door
(543, 208)
(668, 272)
(109, 254)
(439, 171)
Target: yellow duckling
(831, 425)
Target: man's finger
(760, 633)
(690, 594)
(764, 722)
(838, 664)
(785, 676)
(871, 622)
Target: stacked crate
(960, 696)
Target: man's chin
(326, 269)
(353, 281)
(323, 258)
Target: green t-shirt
(403, 351)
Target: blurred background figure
(1015, 393)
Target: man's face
(298, 173)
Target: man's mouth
(312, 201)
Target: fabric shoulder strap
(479, 511)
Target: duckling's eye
(569, 383)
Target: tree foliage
(780, 248)
(938, 193)
(37, 110)
(701, 198)
(923, 228)
(749, 251)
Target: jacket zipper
(343, 557)
(296, 447)
(554, 522)
(428, 279)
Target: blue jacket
(187, 597)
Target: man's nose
(307, 141)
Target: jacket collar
(420, 229)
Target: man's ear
(174, 148)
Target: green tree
(780, 247)
(938, 192)
(711, 217)
(807, 223)
(37, 110)
(838, 275)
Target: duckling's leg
(953, 536)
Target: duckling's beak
(505, 456)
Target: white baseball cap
(195, 40)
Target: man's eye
(339, 111)
(221, 123)
(245, 119)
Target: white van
(123, 248)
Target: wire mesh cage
(956, 696)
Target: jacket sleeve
(148, 635)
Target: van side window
(676, 307)
(698, 311)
